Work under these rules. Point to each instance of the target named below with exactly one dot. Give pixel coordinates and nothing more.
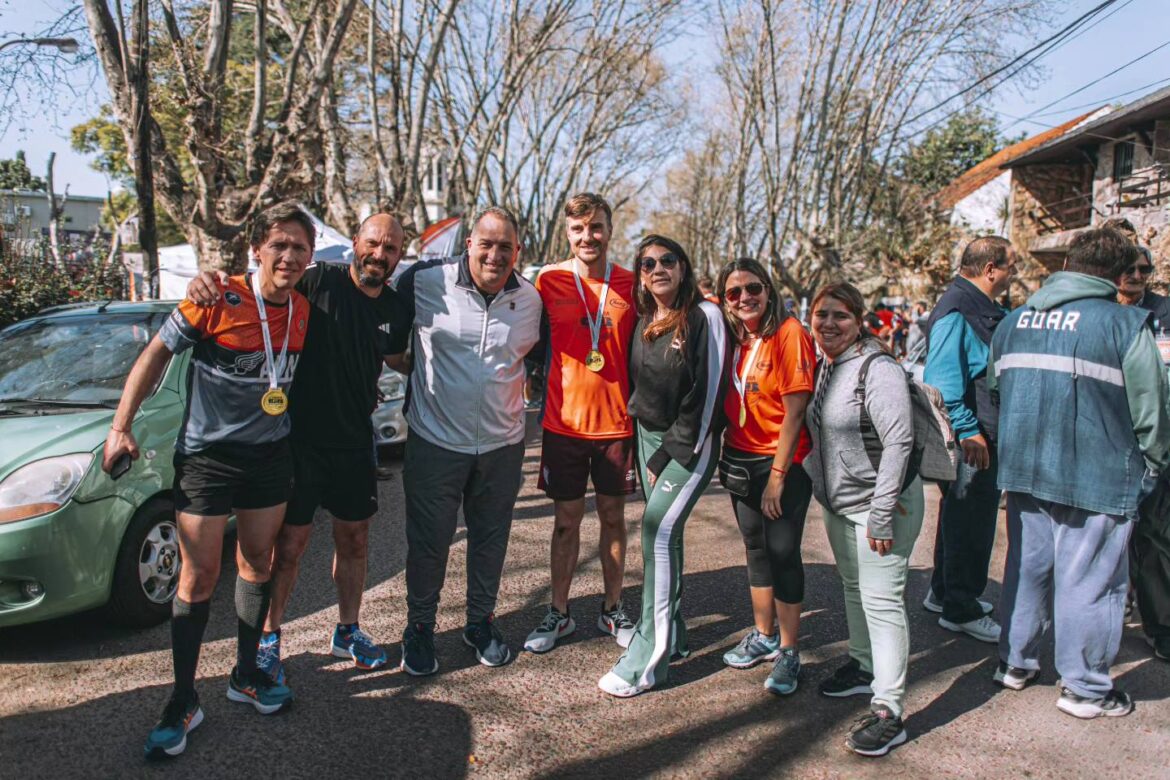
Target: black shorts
(223, 477)
(567, 463)
(342, 480)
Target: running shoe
(786, 670)
(616, 623)
(614, 685)
(1114, 704)
(1013, 677)
(932, 604)
(418, 650)
(849, 680)
(556, 624)
(754, 648)
(351, 642)
(488, 642)
(168, 738)
(985, 629)
(874, 734)
(1160, 645)
(259, 690)
(268, 656)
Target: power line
(1098, 102)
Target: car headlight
(393, 388)
(42, 486)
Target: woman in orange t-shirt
(764, 444)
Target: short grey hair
(499, 212)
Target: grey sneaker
(786, 670)
(985, 629)
(488, 642)
(556, 624)
(932, 604)
(754, 648)
(875, 733)
(1114, 704)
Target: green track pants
(661, 631)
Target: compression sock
(251, 608)
(187, 624)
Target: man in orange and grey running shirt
(589, 306)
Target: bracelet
(781, 472)
(119, 430)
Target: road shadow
(383, 736)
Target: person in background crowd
(863, 474)
(232, 456)
(476, 320)
(589, 318)
(764, 444)
(678, 368)
(958, 335)
(1133, 284)
(915, 336)
(707, 289)
(1075, 480)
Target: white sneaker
(932, 604)
(985, 629)
(554, 626)
(616, 686)
(616, 623)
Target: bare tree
(56, 211)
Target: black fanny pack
(735, 471)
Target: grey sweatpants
(1078, 560)
(436, 482)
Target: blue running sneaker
(754, 648)
(351, 642)
(487, 641)
(258, 690)
(268, 657)
(168, 738)
(786, 670)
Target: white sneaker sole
(1015, 683)
(1088, 711)
(337, 651)
(623, 636)
(179, 748)
(898, 739)
(754, 662)
(482, 660)
(263, 709)
(930, 605)
(402, 665)
(616, 686)
(543, 642)
(961, 628)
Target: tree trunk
(137, 64)
(55, 210)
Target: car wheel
(146, 574)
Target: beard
(371, 275)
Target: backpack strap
(869, 435)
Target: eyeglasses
(1139, 269)
(733, 293)
(667, 261)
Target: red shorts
(567, 463)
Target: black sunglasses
(1143, 269)
(667, 262)
(733, 293)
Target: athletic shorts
(223, 477)
(567, 463)
(342, 480)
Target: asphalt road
(78, 697)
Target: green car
(72, 538)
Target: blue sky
(1133, 28)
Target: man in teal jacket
(1084, 435)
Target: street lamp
(63, 45)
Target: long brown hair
(851, 298)
(774, 312)
(688, 292)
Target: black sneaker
(1114, 704)
(875, 733)
(488, 642)
(1013, 677)
(418, 650)
(1161, 646)
(849, 680)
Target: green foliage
(947, 151)
(101, 136)
(123, 203)
(30, 282)
(15, 175)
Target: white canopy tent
(178, 265)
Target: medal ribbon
(594, 325)
(275, 370)
(740, 379)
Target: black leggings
(773, 546)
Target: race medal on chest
(274, 402)
(594, 361)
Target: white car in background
(389, 421)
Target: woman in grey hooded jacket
(863, 474)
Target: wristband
(781, 472)
(120, 430)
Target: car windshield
(78, 359)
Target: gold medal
(594, 361)
(274, 402)
(742, 416)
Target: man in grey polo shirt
(475, 322)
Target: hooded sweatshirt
(843, 478)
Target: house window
(1122, 160)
